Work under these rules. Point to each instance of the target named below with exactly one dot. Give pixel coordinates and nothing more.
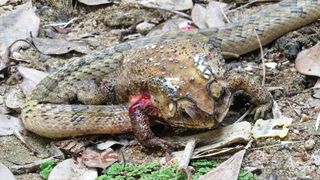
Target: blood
(188, 27)
(140, 101)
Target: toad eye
(184, 114)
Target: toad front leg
(141, 110)
(260, 96)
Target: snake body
(48, 112)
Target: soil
(108, 24)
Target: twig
(31, 167)
(249, 144)
(64, 25)
(262, 59)
(276, 112)
(22, 139)
(224, 15)
(294, 109)
(187, 154)
(276, 145)
(251, 3)
(244, 115)
(169, 10)
(317, 122)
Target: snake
(48, 113)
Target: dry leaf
(95, 2)
(178, 5)
(102, 160)
(71, 145)
(68, 170)
(170, 25)
(198, 16)
(229, 169)
(31, 78)
(217, 140)
(308, 61)
(5, 173)
(210, 17)
(214, 16)
(3, 2)
(18, 24)
(9, 124)
(109, 143)
(58, 46)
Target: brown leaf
(229, 169)
(308, 61)
(18, 24)
(72, 146)
(104, 159)
(58, 46)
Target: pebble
(295, 131)
(309, 144)
(316, 158)
(271, 65)
(304, 118)
(144, 27)
(17, 56)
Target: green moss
(46, 168)
(150, 171)
(245, 175)
(147, 171)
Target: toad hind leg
(260, 96)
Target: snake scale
(50, 110)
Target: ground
(295, 160)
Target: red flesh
(140, 102)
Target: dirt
(108, 24)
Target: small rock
(309, 144)
(144, 27)
(271, 65)
(316, 157)
(304, 118)
(17, 56)
(295, 131)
